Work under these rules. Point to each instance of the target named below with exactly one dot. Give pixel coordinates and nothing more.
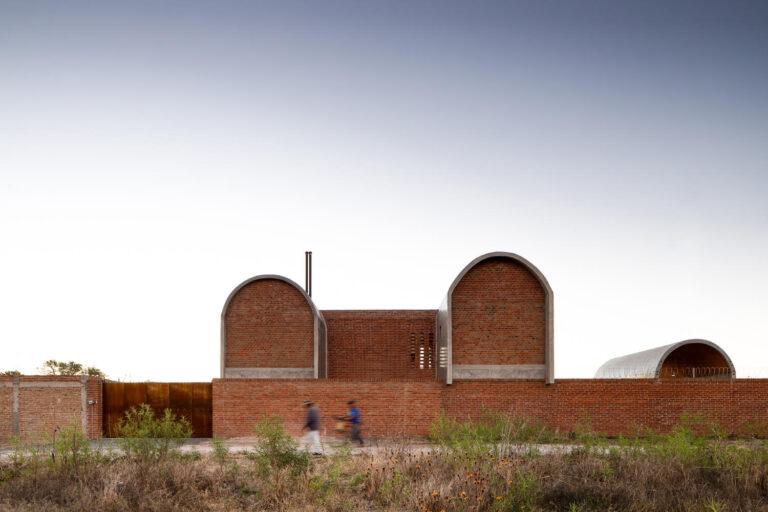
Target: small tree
(276, 449)
(92, 371)
(54, 367)
(10, 373)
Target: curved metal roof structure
(320, 326)
(648, 363)
(445, 317)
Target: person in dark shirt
(353, 417)
(312, 425)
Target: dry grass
(586, 479)
(677, 472)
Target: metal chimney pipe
(308, 272)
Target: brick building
(495, 323)
(488, 347)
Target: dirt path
(330, 445)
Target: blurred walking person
(311, 439)
(354, 419)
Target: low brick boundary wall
(396, 408)
(615, 406)
(31, 407)
(389, 408)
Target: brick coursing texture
(6, 402)
(615, 406)
(608, 406)
(389, 408)
(269, 324)
(498, 315)
(94, 390)
(381, 345)
(42, 408)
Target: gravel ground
(330, 445)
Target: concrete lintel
(44, 384)
(499, 371)
(269, 373)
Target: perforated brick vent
(422, 350)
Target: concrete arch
(320, 329)
(650, 363)
(445, 367)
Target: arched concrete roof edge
(502, 254)
(278, 277)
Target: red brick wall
(392, 408)
(498, 315)
(41, 410)
(94, 388)
(6, 397)
(269, 324)
(388, 408)
(381, 345)
(614, 407)
(47, 402)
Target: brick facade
(391, 409)
(269, 324)
(498, 315)
(44, 403)
(6, 407)
(494, 331)
(615, 406)
(381, 345)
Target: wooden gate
(189, 399)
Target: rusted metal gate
(189, 399)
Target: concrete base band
(269, 373)
(499, 371)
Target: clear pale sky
(155, 154)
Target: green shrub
(220, 450)
(757, 429)
(521, 493)
(276, 449)
(146, 437)
(490, 430)
(70, 446)
(188, 455)
(702, 426)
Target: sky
(155, 154)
